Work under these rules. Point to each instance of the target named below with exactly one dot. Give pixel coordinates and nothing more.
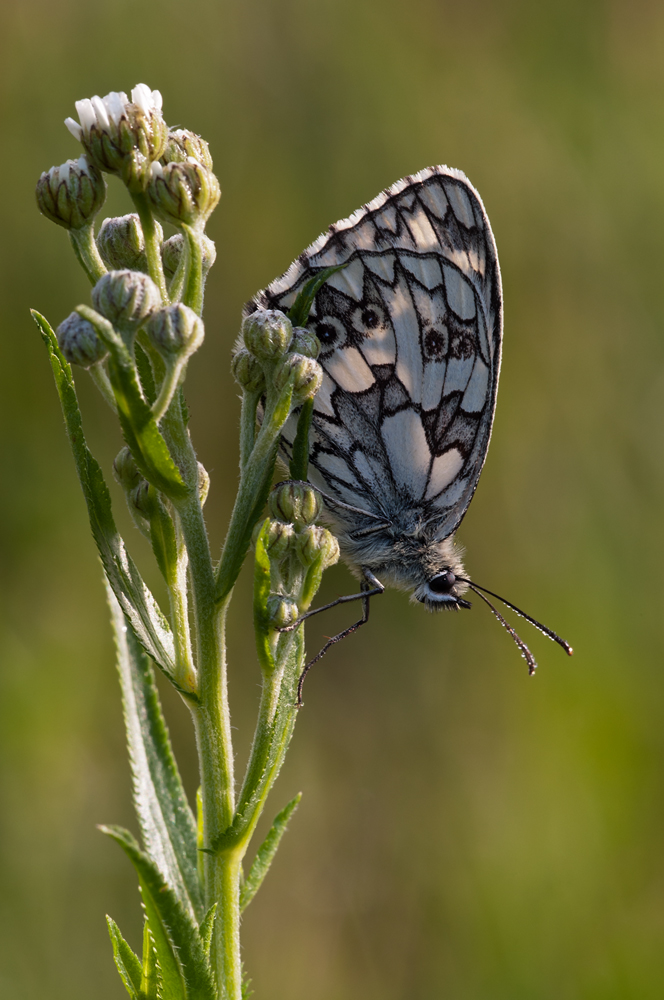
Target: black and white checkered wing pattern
(411, 342)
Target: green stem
(252, 494)
(185, 671)
(250, 402)
(168, 389)
(85, 249)
(100, 378)
(152, 243)
(193, 286)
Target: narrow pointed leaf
(138, 604)
(266, 853)
(167, 823)
(299, 312)
(207, 927)
(139, 426)
(183, 965)
(127, 963)
(151, 979)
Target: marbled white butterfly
(411, 333)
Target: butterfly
(411, 335)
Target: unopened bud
(121, 244)
(295, 503)
(203, 483)
(267, 333)
(248, 371)
(173, 249)
(313, 542)
(183, 193)
(126, 298)
(79, 342)
(278, 540)
(176, 331)
(122, 136)
(71, 194)
(126, 471)
(182, 143)
(144, 499)
(305, 342)
(304, 374)
(281, 611)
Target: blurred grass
(464, 832)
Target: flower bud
(203, 483)
(122, 136)
(267, 333)
(183, 193)
(175, 331)
(143, 498)
(279, 539)
(281, 611)
(248, 371)
(126, 471)
(305, 342)
(181, 143)
(304, 374)
(295, 503)
(71, 194)
(121, 245)
(313, 542)
(173, 248)
(126, 298)
(79, 342)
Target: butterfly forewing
(411, 339)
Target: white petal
(83, 164)
(156, 169)
(63, 171)
(74, 128)
(101, 114)
(142, 96)
(86, 114)
(115, 104)
(157, 100)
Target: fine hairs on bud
(183, 193)
(267, 334)
(126, 471)
(126, 298)
(121, 244)
(248, 371)
(79, 342)
(305, 342)
(304, 374)
(71, 194)
(176, 331)
(181, 144)
(173, 248)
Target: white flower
(122, 136)
(104, 111)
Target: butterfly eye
(443, 583)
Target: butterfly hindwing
(411, 340)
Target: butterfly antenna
(546, 631)
(525, 652)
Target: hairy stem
(152, 244)
(85, 249)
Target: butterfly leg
(371, 587)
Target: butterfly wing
(411, 334)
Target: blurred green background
(465, 832)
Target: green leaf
(138, 604)
(127, 962)
(262, 590)
(299, 311)
(207, 927)
(167, 823)
(299, 463)
(145, 374)
(266, 853)
(183, 965)
(151, 981)
(139, 426)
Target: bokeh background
(465, 832)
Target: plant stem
(100, 378)
(193, 287)
(85, 249)
(248, 425)
(168, 389)
(152, 244)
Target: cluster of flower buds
(122, 136)
(79, 342)
(71, 194)
(295, 545)
(277, 353)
